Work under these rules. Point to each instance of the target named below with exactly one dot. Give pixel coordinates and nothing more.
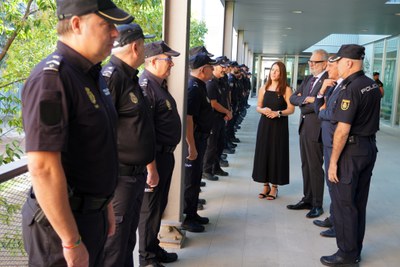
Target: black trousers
(44, 246)
(213, 150)
(327, 158)
(193, 173)
(127, 202)
(153, 206)
(350, 196)
(313, 174)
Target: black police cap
(234, 64)
(158, 48)
(104, 8)
(199, 60)
(351, 51)
(222, 60)
(199, 49)
(375, 73)
(129, 33)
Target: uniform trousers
(311, 166)
(43, 245)
(212, 154)
(193, 173)
(327, 158)
(153, 206)
(350, 196)
(127, 202)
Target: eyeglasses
(167, 59)
(311, 62)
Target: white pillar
(240, 47)
(228, 28)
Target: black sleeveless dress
(271, 158)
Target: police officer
(216, 93)
(69, 124)
(199, 121)
(325, 103)
(158, 65)
(136, 141)
(353, 154)
(234, 89)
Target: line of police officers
(100, 141)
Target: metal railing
(14, 185)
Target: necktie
(313, 79)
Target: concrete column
(295, 72)
(228, 28)
(246, 54)
(260, 71)
(176, 27)
(240, 47)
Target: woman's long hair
(282, 83)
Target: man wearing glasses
(310, 136)
(167, 124)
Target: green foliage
(198, 31)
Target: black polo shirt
(67, 108)
(198, 106)
(216, 91)
(359, 104)
(167, 122)
(136, 137)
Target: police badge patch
(134, 99)
(169, 106)
(91, 96)
(345, 104)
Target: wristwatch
(279, 113)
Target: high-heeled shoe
(264, 195)
(272, 197)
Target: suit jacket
(309, 122)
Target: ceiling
(271, 28)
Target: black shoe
(200, 220)
(328, 233)
(200, 206)
(221, 172)
(223, 163)
(229, 151)
(224, 156)
(209, 176)
(202, 184)
(192, 226)
(335, 260)
(315, 212)
(235, 140)
(301, 205)
(202, 201)
(231, 145)
(325, 223)
(167, 257)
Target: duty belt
(353, 139)
(165, 149)
(87, 204)
(128, 170)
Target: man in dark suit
(310, 139)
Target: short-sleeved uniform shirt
(167, 122)
(198, 106)
(359, 104)
(136, 137)
(67, 108)
(216, 91)
(233, 88)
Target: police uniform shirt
(136, 137)
(167, 122)
(233, 88)
(355, 103)
(67, 108)
(215, 92)
(198, 106)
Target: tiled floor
(246, 231)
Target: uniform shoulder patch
(345, 104)
(144, 82)
(108, 71)
(53, 63)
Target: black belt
(87, 204)
(165, 149)
(353, 139)
(126, 170)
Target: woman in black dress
(271, 158)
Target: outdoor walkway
(246, 231)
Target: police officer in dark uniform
(216, 92)
(353, 155)
(136, 141)
(168, 129)
(70, 124)
(199, 121)
(234, 89)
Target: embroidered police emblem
(345, 104)
(169, 106)
(134, 99)
(91, 96)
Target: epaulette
(108, 71)
(53, 62)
